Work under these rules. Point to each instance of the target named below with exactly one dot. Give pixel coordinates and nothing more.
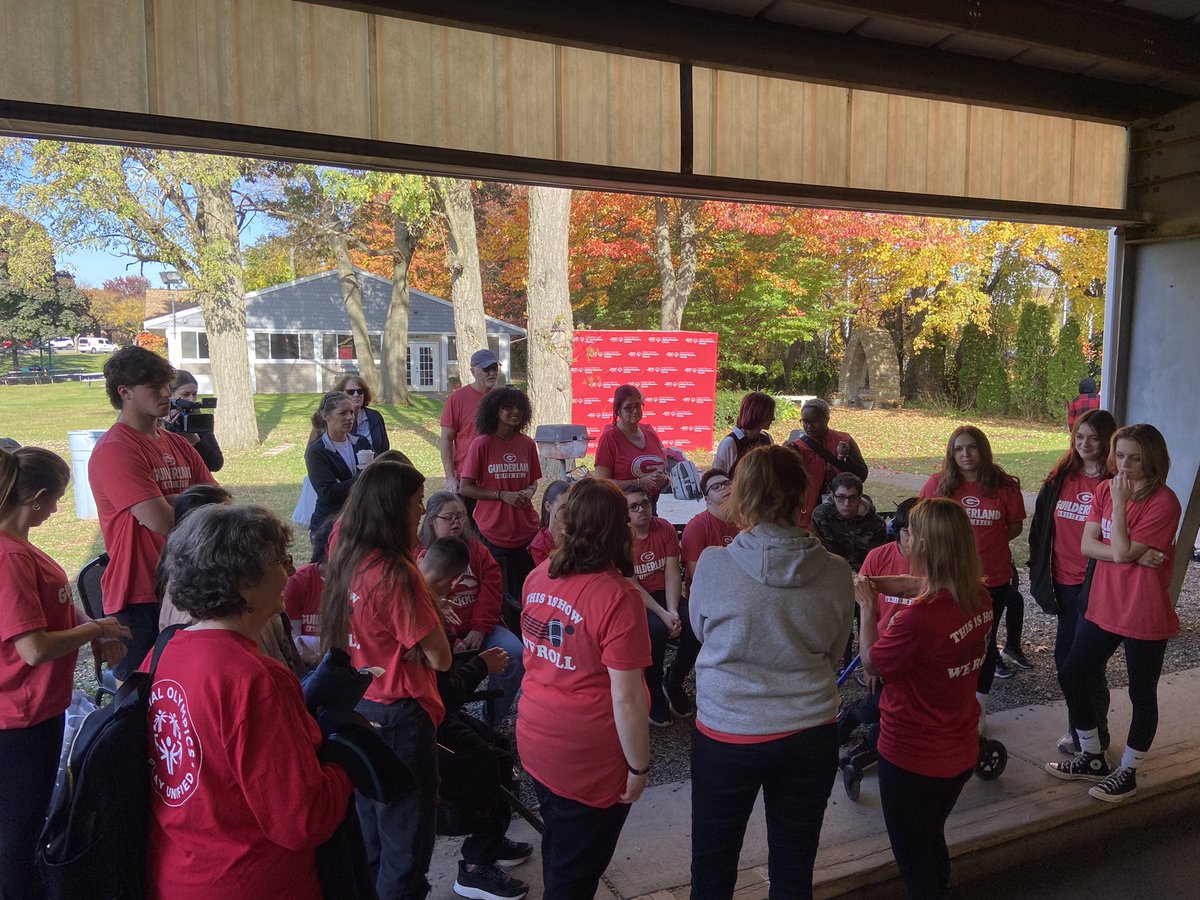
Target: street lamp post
(172, 280)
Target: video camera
(189, 420)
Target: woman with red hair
(629, 452)
(755, 416)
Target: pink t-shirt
(575, 629)
(1126, 598)
(626, 460)
(1067, 564)
(929, 659)
(383, 627)
(302, 600)
(34, 594)
(650, 555)
(703, 531)
(126, 468)
(990, 517)
(499, 465)
(882, 561)
(459, 414)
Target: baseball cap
(483, 359)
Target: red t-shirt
(302, 599)
(989, 517)
(650, 555)
(881, 561)
(929, 659)
(625, 460)
(819, 471)
(1126, 598)
(383, 627)
(476, 593)
(34, 594)
(1067, 564)
(575, 629)
(239, 802)
(703, 531)
(541, 546)
(498, 465)
(459, 414)
(126, 468)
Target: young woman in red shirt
(628, 451)
(1057, 566)
(551, 524)
(927, 657)
(995, 508)
(501, 474)
(475, 597)
(377, 605)
(581, 724)
(40, 635)
(1130, 532)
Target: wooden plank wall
(310, 68)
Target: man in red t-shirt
(458, 418)
(710, 528)
(826, 453)
(137, 471)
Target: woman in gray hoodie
(773, 611)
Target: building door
(422, 367)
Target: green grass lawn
(41, 415)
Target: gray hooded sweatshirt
(773, 611)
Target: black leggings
(987, 672)
(29, 760)
(1090, 653)
(689, 649)
(1014, 614)
(1069, 618)
(658, 647)
(915, 809)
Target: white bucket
(82, 443)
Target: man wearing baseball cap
(458, 417)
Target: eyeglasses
(847, 498)
(453, 519)
(353, 391)
(716, 486)
(644, 506)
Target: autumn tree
(551, 322)
(277, 259)
(466, 280)
(177, 209)
(119, 306)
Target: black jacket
(210, 451)
(379, 435)
(330, 477)
(1041, 546)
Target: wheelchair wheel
(993, 757)
(852, 780)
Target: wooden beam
(23, 119)
(699, 37)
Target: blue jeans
(399, 836)
(795, 774)
(1069, 617)
(509, 680)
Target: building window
(337, 346)
(193, 344)
(282, 346)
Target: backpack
(685, 481)
(94, 841)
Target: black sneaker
(1002, 669)
(488, 883)
(678, 700)
(513, 853)
(1120, 785)
(1015, 657)
(660, 712)
(1084, 767)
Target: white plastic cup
(365, 457)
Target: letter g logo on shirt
(510, 457)
(972, 502)
(1085, 497)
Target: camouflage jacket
(850, 539)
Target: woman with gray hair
(826, 453)
(475, 597)
(239, 799)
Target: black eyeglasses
(716, 485)
(847, 498)
(353, 391)
(642, 507)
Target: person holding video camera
(184, 405)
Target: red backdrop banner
(675, 370)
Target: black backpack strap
(820, 450)
(160, 644)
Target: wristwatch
(634, 771)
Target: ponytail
(28, 472)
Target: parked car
(96, 345)
(62, 343)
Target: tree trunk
(676, 281)
(551, 322)
(352, 297)
(466, 284)
(394, 386)
(222, 298)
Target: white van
(95, 345)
